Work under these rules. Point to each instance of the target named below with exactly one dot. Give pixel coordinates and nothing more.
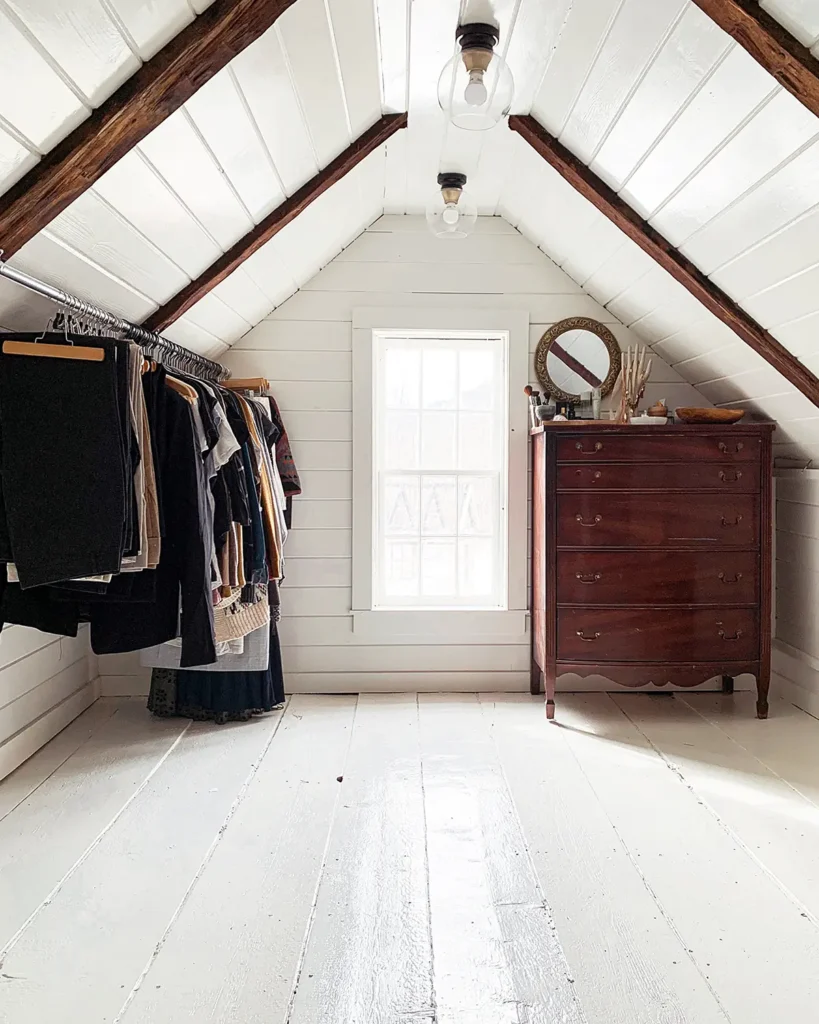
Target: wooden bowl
(709, 415)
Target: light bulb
(450, 215)
(475, 93)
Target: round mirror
(577, 355)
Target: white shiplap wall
(796, 643)
(304, 349)
(45, 682)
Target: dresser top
(752, 427)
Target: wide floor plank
(369, 957)
(46, 837)
(773, 821)
(753, 945)
(234, 952)
(82, 953)
(628, 962)
(497, 959)
(18, 786)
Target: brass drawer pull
(598, 447)
(723, 447)
(579, 518)
(587, 577)
(587, 639)
(725, 579)
(736, 522)
(732, 480)
(730, 639)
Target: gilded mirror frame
(576, 323)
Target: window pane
(476, 567)
(476, 379)
(401, 506)
(439, 430)
(477, 505)
(401, 568)
(477, 441)
(401, 440)
(402, 378)
(438, 568)
(440, 378)
(438, 506)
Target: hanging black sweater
(184, 567)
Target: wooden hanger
(247, 384)
(181, 388)
(81, 353)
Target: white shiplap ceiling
(664, 107)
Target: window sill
(422, 625)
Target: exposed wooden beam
(790, 63)
(574, 364)
(277, 219)
(651, 241)
(159, 88)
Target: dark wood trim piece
(273, 223)
(652, 242)
(575, 364)
(161, 86)
(770, 44)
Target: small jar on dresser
(651, 554)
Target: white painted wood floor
(647, 860)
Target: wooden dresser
(651, 560)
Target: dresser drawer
(656, 634)
(657, 577)
(720, 446)
(687, 476)
(650, 519)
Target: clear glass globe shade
(476, 101)
(451, 220)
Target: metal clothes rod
(155, 343)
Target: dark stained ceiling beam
(161, 86)
(276, 220)
(652, 242)
(771, 45)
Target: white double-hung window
(439, 465)
(440, 470)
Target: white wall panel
(733, 93)
(83, 40)
(35, 99)
(150, 25)
(780, 128)
(356, 46)
(313, 62)
(636, 36)
(220, 112)
(178, 153)
(685, 59)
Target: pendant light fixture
(451, 213)
(476, 86)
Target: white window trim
(420, 622)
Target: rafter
(771, 45)
(652, 242)
(276, 220)
(160, 87)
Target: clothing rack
(168, 352)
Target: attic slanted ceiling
(160, 87)
(677, 118)
(666, 256)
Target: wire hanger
(47, 350)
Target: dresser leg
(549, 682)
(762, 683)
(727, 684)
(535, 676)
